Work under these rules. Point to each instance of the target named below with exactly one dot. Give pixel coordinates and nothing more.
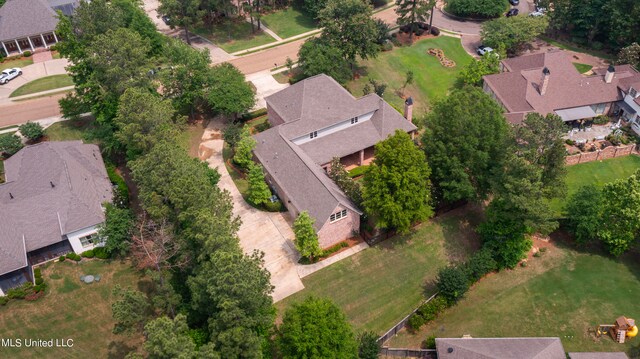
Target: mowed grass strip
(235, 35)
(289, 22)
(71, 130)
(43, 84)
(72, 310)
(431, 79)
(22, 62)
(597, 173)
(565, 293)
(380, 285)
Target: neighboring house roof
(595, 355)
(41, 213)
(518, 89)
(499, 348)
(311, 105)
(21, 18)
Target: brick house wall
(336, 232)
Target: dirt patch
(541, 46)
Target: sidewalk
(277, 43)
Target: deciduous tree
(10, 144)
(306, 236)
(620, 221)
(31, 130)
(368, 347)
(396, 187)
(340, 176)
(513, 32)
(316, 57)
(452, 283)
(630, 55)
(228, 91)
(184, 13)
(584, 213)
(316, 328)
(115, 231)
(472, 73)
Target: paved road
(30, 110)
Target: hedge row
(121, 195)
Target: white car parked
(9, 74)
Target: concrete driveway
(33, 72)
(265, 85)
(265, 231)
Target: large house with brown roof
(51, 204)
(313, 122)
(549, 83)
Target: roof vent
(450, 350)
(52, 185)
(10, 195)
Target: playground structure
(444, 61)
(623, 328)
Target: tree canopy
(316, 57)
(476, 8)
(411, 12)
(396, 187)
(630, 55)
(511, 33)
(306, 237)
(472, 74)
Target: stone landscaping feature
(444, 61)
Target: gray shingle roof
(598, 355)
(567, 88)
(40, 213)
(313, 104)
(499, 348)
(21, 18)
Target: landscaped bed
(380, 285)
(77, 311)
(289, 22)
(431, 79)
(564, 293)
(43, 84)
(236, 35)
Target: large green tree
(584, 213)
(316, 57)
(411, 12)
(130, 310)
(348, 26)
(315, 329)
(630, 55)
(465, 139)
(259, 192)
(243, 156)
(396, 187)
(338, 173)
(472, 73)
(185, 13)
(620, 222)
(115, 231)
(169, 339)
(504, 235)
(511, 33)
(306, 237)
(229, 93)
(477, 9)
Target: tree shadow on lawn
(119, 349)
(459, 231)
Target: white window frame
(354, 120)
(313, 134)
(338, 216)
(88, 240)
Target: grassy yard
(71, 130)
(43, 84)
(234, 36)
(597, 173)
(565, 45)
(431, 79)
(72, 310)
(289, 22)
(380, 285)
(22, 62)
(564, 293)
(582, 68)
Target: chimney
(608, 77)
(408, 109)
(545, 81)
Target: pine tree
(259, 192)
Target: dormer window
(354, 120)
(313, 134)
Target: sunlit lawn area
(22, 62)
(71, 130)
(380, 285)
(289, 22)
(597, 173)
(72, 310)
(43, 84)
(582, 68)
(432, 80)
(565, 293)
(234, 36)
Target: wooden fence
(401, 324)
(409, 353)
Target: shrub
(39, 281)
(121, 195)
(262, 126)
(543, 249)
(480, 264)
(452, 283)
(26, 54)
(10, 144)
(368, 347)
(419, 32)
(101, 253)
(429, 343)
(429, 311)
(415, 322)
(537, 254)
(88, 254)
(73, 257)
(37, 273)
(255, 114)
(474, 8)
(600, 120)
(62, 258)
(435, 31)
(276, 206)
(32, 131)
(387, 46)
(21, 291)
(570, 142)
(4, 300)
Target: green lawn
(72, 310)
(43, 84)
(597, 173)
(22, 62)
(81, 129)
(289, 22)
(582, 68)
(2, 171)
(233, 36)
(564, 293)
(431, 79)
(380, 285)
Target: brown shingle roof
(519, 89)
(499, 348)
(43, 214)
(21, 18)
(598, 355)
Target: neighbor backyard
(235, 35)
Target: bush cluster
(101, 253)
(262, 126)
(121, 195)
(274, 206)
(427, 312)
(251, 115)
(477, 8)
(74, 257)
(27, 54)
(88, 254)
(62, 258)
